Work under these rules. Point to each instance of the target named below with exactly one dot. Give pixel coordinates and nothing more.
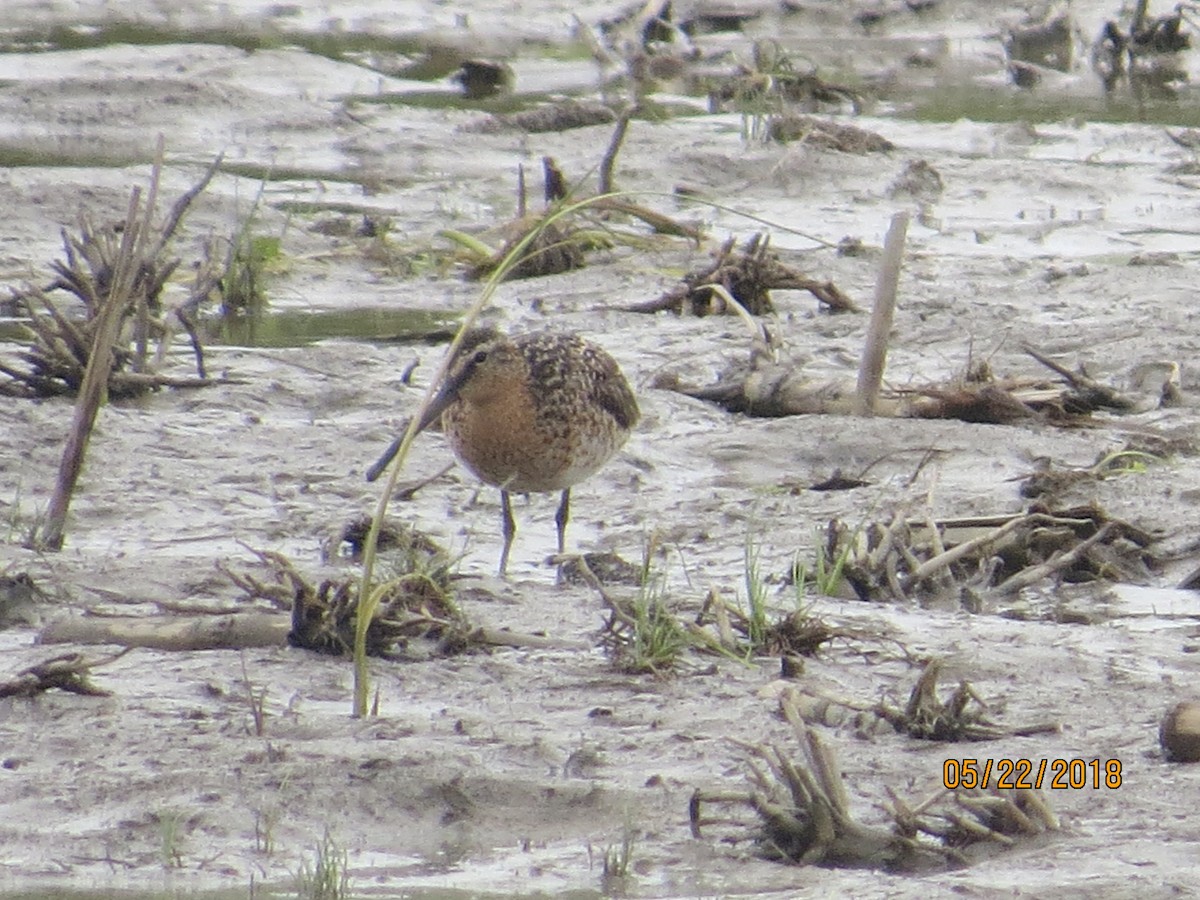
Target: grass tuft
(326, 877)
(619, 858)
(826, 574)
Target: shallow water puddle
(295, 328)
(978, 102)
(1138, 601)
(299, 327)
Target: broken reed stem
(870, 372)
(609, 162)
(95, 378)
(1139, 17)
(181, 206)
(521, 207)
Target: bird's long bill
(437, 406)
(378, 467)
(443, 398)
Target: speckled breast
(517, 451)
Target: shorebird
(535, 413)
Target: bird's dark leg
(560, 519)
(508, 526)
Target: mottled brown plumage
(538, 412)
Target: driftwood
(772, 389)
(236, 631)
(206, 632)
(561, 115)
(749, 275)
(763, 386)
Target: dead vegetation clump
(803, 813)
(414, 550)
(824, 134)
(748, 275)
(990, 557)
(747, 88)
(798, 633)
(67, 672)
(606, 566)
(413, 607)
(772, 85)
(741, 631)
(1048, 44)
(555, 240)
(125, 266)
(415, 604)
(562, 115)
(1146, 54)
(1179, 732)
(117, 273)
(552, 250)
(481, 78)
(1048, 481)
(643, 634)
(960, 718)
(763, 385)
(416, 614)
(661, 21)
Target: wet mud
(513, 771)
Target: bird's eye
(480, 356)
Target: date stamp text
(1008, 774)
